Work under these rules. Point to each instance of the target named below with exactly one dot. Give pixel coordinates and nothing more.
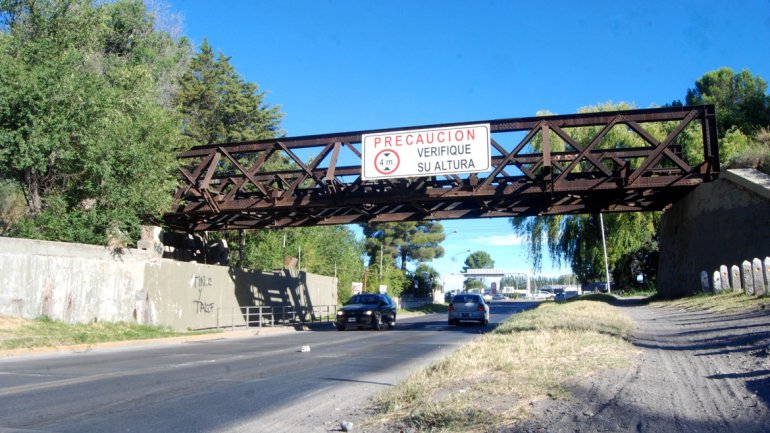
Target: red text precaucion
(426, 137)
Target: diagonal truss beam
(540, 165)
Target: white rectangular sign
(426, 152)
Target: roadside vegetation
(717, 303)
(493, 380)
(720, 303)
(17, 333)
(422, 310)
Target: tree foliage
(576, 239)
(741, 99)
(425, 280)
(404, 242)
(477, 260)
(12, 205)
(743, 113)
(86, 128)
(217, 105)
(325, 250)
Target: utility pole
(380, 262)
(604, 246)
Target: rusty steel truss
(538, 168)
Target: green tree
(218, 106)
(743, 113)
(12, 206)
(741, 99)
(404, 242)
(576, 239)
(85, 125)
(425, 280)
(477, 260)
(326, 250)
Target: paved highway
(258, 383)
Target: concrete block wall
(79, 283)
(69, 282)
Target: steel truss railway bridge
(537, 168)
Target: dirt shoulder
(694, 371)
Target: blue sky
(337, 66)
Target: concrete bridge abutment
(718, 223)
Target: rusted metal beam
(228, 186)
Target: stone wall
(79, 283)
(719, 222)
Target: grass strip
(18, 333)
(489, 383)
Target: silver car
(470, 307)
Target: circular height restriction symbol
(387, 161)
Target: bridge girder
(232, 186)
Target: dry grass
(726, 302)
(491, 381)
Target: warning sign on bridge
(426, 152)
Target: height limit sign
(426, 152)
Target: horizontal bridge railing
(270, 316)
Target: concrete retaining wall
(79, 283)
(721, 222)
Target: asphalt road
(251, 384)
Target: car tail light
(481, 307)
(451, 307)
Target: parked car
(542, 295)
(560, 297)
(468, 307)
(367, 310)
(499, 297)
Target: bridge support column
(718, 223)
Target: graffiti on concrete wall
(200, 282)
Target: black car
(367, 310)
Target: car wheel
(340, 327)
(392, 323)
(377, 322)
(485, 322)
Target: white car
(542, 295)
(468, 307)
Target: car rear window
(466, 298)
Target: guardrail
(262, 315)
